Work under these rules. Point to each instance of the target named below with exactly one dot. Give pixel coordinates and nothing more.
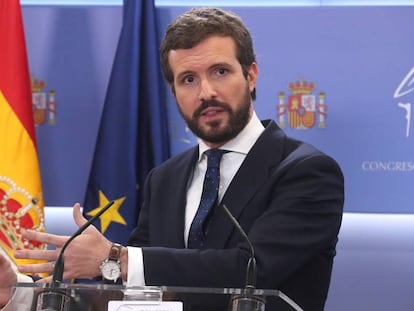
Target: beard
(217, 132)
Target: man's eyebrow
(184, 73)
(220, 64)
(212, 66)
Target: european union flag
(133, 133)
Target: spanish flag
(21, 202)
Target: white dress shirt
(229, 165)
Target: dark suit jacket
(287, 195)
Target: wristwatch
(111, 266)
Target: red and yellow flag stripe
(21, 201)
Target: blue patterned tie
(208, 197)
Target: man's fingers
(43, 237)
(37, 268)
(47, 279)
(47, 255)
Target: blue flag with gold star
(133, 132)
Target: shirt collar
(243, 142)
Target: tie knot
(214, 157)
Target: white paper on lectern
(130, 305)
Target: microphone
(55, 299)
(246, 301)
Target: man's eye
(189, 79)
(221, 71)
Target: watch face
(111, 270)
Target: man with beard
(287, 195)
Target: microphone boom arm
(251, 265)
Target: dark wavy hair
(198, 24)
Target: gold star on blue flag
(111, 215)
(133, 131)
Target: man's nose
(207, 90)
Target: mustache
(209, 103)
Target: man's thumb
(77, 215)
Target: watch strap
(115, 252)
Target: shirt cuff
(135, 267)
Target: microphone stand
(246, 300)
(55, 299)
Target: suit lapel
(246, 183)
(172, 216)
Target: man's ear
(252, 75)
